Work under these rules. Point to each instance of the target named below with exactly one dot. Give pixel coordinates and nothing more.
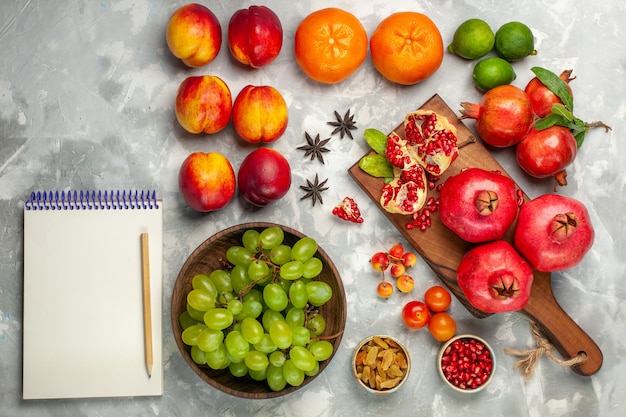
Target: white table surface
(86, 101)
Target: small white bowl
(480, 354)
(396, 344)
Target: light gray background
(86, 101)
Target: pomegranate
(431, 140)
(478, 205)
(540, 96)
(545, 153)
(553, 232)
(495, 278)
(348, 210)
(406, 193)
(503, 116)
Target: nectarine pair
(207, 180)
(204, 104)
(194, 34)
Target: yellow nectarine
(260, 114)
(194, 34)
(207, 181)
(203, 104)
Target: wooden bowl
(210, 255)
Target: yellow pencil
(147, 310)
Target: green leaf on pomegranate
(376, 139)
(561, 110)
(556, 85)
(376, 165)
(549, 121)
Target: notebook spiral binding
(92, 200)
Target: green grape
(258, 271)
(285, 284)
(252, 330)
(291, 270)
(271, 237)
(313, 371)
(302, 358)
(226, 297)
(281, 334)
(195, 314)
(250, 240)
(280, 255)
(295, 317)
(321, 350)
(197, 355)
(250, 308)
(235, 306)
(277, 358)
(275, 378)
(201, 300)
(221, 279)
(239, 278)
(293, 375)
(318, 292)
(316, 325)
(269, 317)
(238, 255)
(298, 295)
(218, 318)
(238, 369)
(266, 345)
(217, 359)
(312, 268)
(275, 297)
(300, 336)
(185, 320)
(202, 281)
(258, 375)
(236, 345)
(303, 249)
(190, 334)
(254, 294)
(256, 360)
(210, 339)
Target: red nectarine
(264, 176)
(255, 36)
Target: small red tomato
(442, 326)
(415, 314)
(437, 298)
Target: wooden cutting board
(443, 250)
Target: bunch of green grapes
(261, 317)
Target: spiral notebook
(84, 320)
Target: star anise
(314, 147)
(314, 190)
(343, 125)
